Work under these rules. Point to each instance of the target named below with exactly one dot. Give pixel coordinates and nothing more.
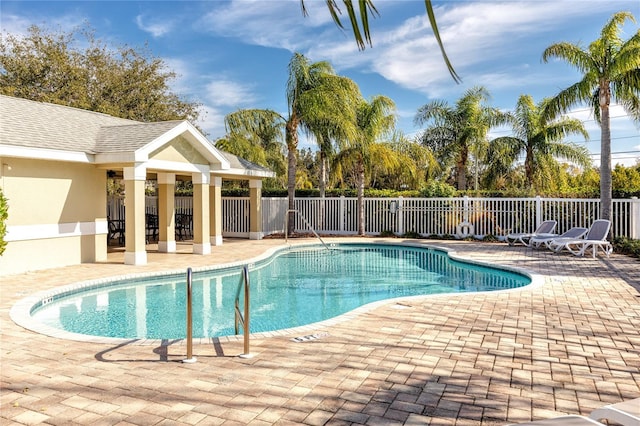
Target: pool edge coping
(20, 312)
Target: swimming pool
(293, 287)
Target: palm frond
(363, 37)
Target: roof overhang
(45, 154)
(236, 174)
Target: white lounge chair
(627, 413)
(545, 228)
(595, 238)
(562, 421)
(573, 233)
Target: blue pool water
(293, 288)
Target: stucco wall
(57, 214)
(179, 150)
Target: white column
(215, 198)
(135, 241)
(166, 213)
(255, 209)
(201, 209)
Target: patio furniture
(596, 238)
(116, 230)
(183, 226)
(539, 240)
(627, 413)
(562, 421)
(544, 229)
(151, 226)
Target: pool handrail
(190, 358)
(243, 318)
(286, 227)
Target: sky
(234, 54)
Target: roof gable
(178, 150)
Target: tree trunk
(528, 167)
(461, 169)
(322, 185)
(360, 169)
(292, 161)
(606, 203)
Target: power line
(613, 139)
(616, 153)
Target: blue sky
(234, 54)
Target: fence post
(539, 217)
(400, 216)
(634, 219)
(341, 213)
(465, 209)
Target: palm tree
(540, 140)
(319, 101)
(454, 131)
(416, 165)
(611, 70)
(331, 138)
(364, 8)
(374, 120)
(257, 136)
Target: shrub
(411, 234)
(4, 214)
(628, 246)
(437, 189)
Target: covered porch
(179, 153)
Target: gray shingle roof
(130, 136)
(31, 124)
(240, 163)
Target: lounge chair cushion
(545, 239)
(596, 238)
(545, 228)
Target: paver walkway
(566, 347)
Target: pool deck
(568, 346)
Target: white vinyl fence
(459, 217)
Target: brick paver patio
(566, 347)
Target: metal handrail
(286, 227)
(190, 358)
(240, 317)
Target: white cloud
(212, 122)
(155, 27)
(478, 37)
(220, 96)
(279, 24)
(18, 25)
(227, 93)
(14, 25)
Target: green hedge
(4, 214)
(431, 191)
(628, 246)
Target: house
(54, 162)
